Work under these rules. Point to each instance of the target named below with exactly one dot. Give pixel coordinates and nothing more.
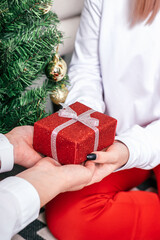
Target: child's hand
(109, 160)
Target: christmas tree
(29, 38)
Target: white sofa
(68, 12)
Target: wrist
(123, 153)
(46, 179)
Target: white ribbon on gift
(84, 118)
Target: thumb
(100, 156)
(90, 166)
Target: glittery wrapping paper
(74, 142)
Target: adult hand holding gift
(71, 134)
(108, 160)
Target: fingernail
(91, 156)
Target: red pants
(107, 210)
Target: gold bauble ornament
(45, 9)
(59, 95)
(56, 69)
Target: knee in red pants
(126, 216)
(92, 213)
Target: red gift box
(69, 137)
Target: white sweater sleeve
(19, 200)
(6, 154)
(19, 206)
(143, 145)
(84, 72)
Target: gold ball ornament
(56, 69)
(59, 95)
(45, 9)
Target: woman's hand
(22, 140)
(108, 160)
(50, 178)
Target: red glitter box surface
(74, 142)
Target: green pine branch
(24, 110)
(28, 41)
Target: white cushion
(67, 8)
(69, 28)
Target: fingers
(77, 176)
(116, 153)
(53, 161)
(102, 157)
(91, 166)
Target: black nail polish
(91, 156)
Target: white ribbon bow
(84, 118)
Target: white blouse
(19, 200)
(115, 69)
